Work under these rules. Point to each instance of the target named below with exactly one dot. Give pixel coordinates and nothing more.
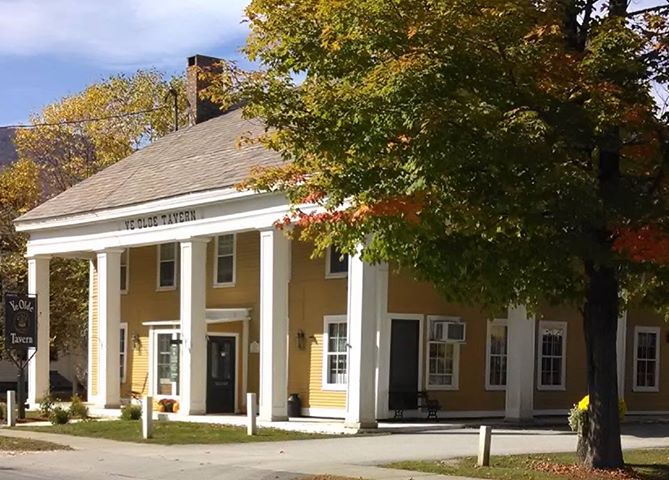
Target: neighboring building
(7, 147)
(197, 297)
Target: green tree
(71, 140)
(507, 151)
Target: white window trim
(456, 357)
(552, 325)
(325, 386)
(328, 273)
(127, 272)
(656, 331)
(124, 327)
(497, 322)
(176, 268)
(234, 262)
(153, 366)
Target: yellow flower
(584, 403)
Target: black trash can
(294, 405)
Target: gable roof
(198, 158)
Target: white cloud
(119, 32)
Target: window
(336, 263)
(224, 265)
(123, 350)
(443, 357)
(552, 355)
(167, 266)
(335, 353)
(124, 270)
(496, 355)
(646, 355)
(166, 361)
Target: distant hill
(7, 148)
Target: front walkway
(97, 459)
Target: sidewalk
(353, 456)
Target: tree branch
(657, 8)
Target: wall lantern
(301, 339)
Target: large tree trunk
(600, 321)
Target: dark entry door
(404, 344)
(221, 368)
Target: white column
(520, 364)
(621, 347)
(109, 327)
(245, 363)
(193, 361)
(274, 278)
(383, 327)
(362, 323)
(92, 272)
(38, 369)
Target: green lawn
(171, 433)
(11, 444)
(650, 464)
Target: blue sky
(53, 48)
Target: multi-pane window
(443, 358)
(123, 351)
(336, 263)
(224, 266)
(167, 363)
(496, 361)
(167, 266)
(335, 358)
(552, 355)
(124, 271)
(646, 355)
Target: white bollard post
(11, 408)
(251, 413)
(484, 446)
(147, 417)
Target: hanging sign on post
(20, 321)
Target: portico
(104, 237)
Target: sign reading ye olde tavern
(20, 321)
(151, 221)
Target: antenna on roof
(175, 99)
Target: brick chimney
(200, 109)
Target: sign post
(20, 335)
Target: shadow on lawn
(651, 471)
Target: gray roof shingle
(202, 157)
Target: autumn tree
(507, 151)
(71, 140)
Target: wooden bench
(419, 400)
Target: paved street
(95, 459)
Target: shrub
(3, 411)
(131, 412)
(78, 408)
(59, 416)
(46, 405)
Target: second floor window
(224, 265)
(167, 266)
(124, 270)
(336, 263)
